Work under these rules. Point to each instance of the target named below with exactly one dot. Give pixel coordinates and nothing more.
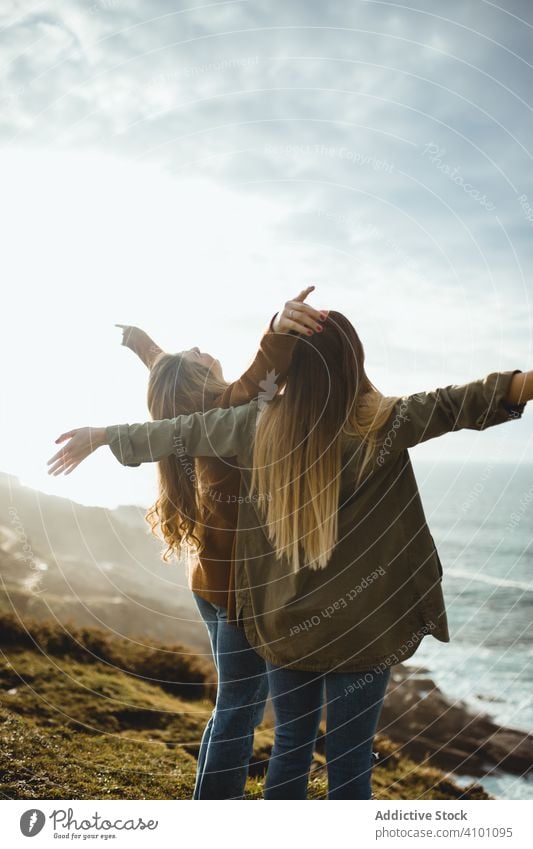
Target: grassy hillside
(85, 716)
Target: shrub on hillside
(175, 668)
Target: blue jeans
(227, 741)
(354, 702)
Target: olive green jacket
(381, 591)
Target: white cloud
(142, 185)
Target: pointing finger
(304, 293)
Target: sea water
(481, 518)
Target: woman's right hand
(139, 342)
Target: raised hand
(299, 316)
(140, 343)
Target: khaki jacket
(381, 593)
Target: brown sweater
(211, 574)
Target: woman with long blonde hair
(337, 574)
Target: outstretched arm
(216, 433)
(499, 397)
(140, 343)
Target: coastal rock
(449, 734)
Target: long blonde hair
(297, 457)
(180, 386)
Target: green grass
(37, 764)
(74, 726)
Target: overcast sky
(188, 167)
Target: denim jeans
(353, 706)
(227, 741)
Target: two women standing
(334, 575)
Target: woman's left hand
(82, 442)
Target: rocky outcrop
(449, 734)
